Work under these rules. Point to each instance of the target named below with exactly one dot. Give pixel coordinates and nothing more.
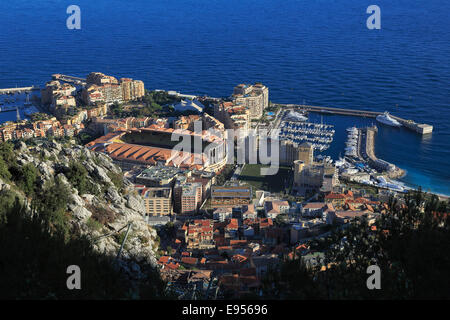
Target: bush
(26, 178)
(117, 179)
(78, 177)
(37, 262)
(93, 224)
(4, 170)
(102, 215)
(49, 206)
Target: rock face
(121, 206)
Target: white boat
(385, 118)
(295, 116)
(340, 162)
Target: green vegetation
(225, 175)
(78, 177)
(84, 137)
(272, 107)
(103, 215)
(4, 170)
(26, 178)
(275, 184)
(39, 116)
(409, 245)
(39, 240)
(117, 179)
(281, 220)
(93, 224)
(151, 106)
(37, 261)
(49, 207)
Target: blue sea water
(318, 51)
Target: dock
(420, 128)
(19, 90)
(366, 151)
(69, 79)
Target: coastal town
(222, 226)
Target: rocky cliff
(103, 212)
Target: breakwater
(420, 128)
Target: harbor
(69, 79)
(356, 142)
(318, 134)
(11, 91)
(19, 102)
(361, 165)
(420, 128)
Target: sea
(317, 52)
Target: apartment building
(254, 97)
(233, 116)
(276, 207)
(306, 153)
(199, 234)
(55, 88)
(132, 89)
(311, 178)
(187, 196)
(100, 79)
(158, 201)
(108, 89)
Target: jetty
(19, 90)
(69, 79)
(420, 128)
(366, 150)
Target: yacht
(295, 116)
(340, 162)
(385, 118)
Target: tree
(409, 245)
(78, 177)
(33, 264)
(27, 177)
(7, 153)
(49, 206)
(4, 172)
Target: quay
(19, 90)
(69, 79)
(420, 128)
(366, 151)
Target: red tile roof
(335, 196)
(164, 259)
(189, 260)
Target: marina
(294, 127)
(18, 101)
(352, 142)
(420, 128)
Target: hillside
(64, 192)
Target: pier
(366, 149)
(69, 79)
(420, 128)
(19, 90)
